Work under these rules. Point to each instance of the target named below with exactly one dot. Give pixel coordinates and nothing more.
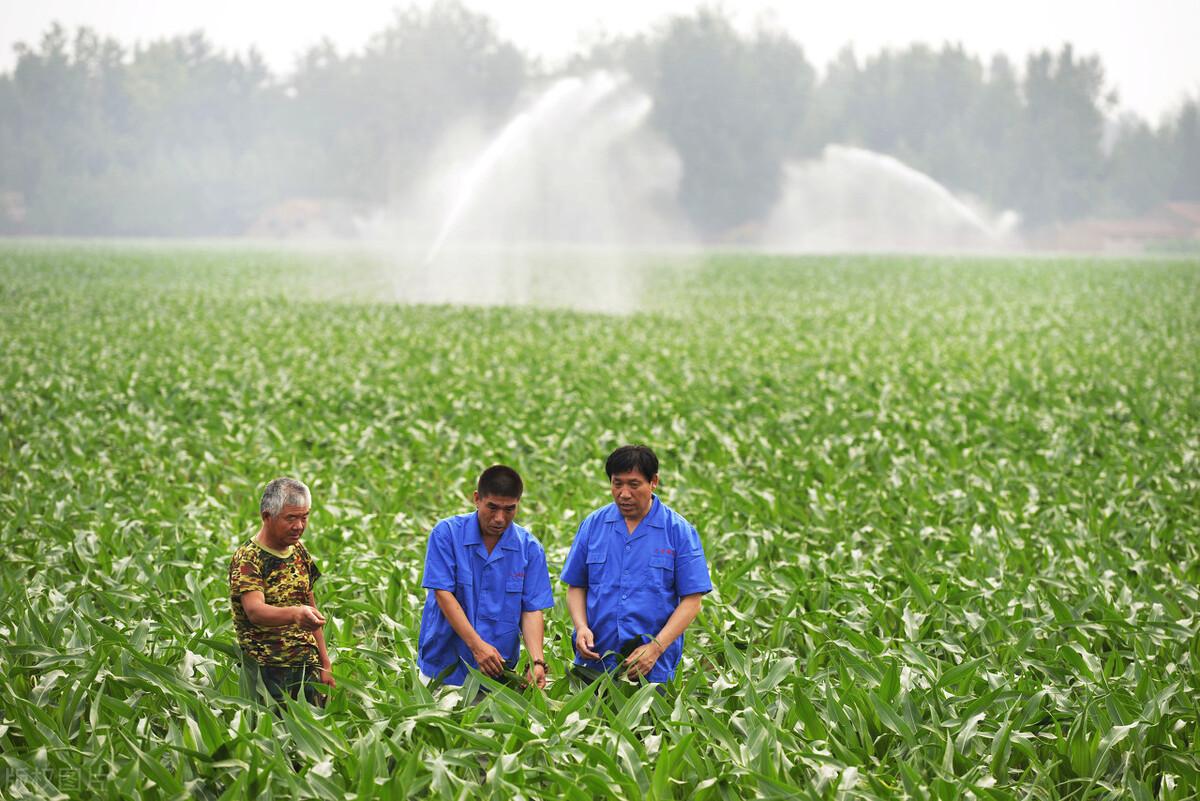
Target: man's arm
(585, 641)
(536, 596)
(533, 630)
(642, 660)
(326, 674)
(263, 614)
(486, 656)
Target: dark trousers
(278, 681)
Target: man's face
(495, 513)
(633, 493)
(288, 526)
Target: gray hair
(284, 492)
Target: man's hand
(325, 676)
(308, 618)
(536, 676)
(642, 660)
(585, 641)
(488, 658)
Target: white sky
(1149, 47)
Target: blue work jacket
(493, 589)
(634, 580)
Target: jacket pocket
(597, 561)
(662, 570)
(513, 590)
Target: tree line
(176, 137)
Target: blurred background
(778, 126)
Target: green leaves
(948, 508)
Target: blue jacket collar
(653, 518)
(471, 535)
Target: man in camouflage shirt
(271, 581)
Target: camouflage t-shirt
(283, 582)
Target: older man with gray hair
(271, 580)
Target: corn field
(951, 508)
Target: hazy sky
(1148, 46)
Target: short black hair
(500, 481)
(632, 457)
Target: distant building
(305, 218)
(12, 211)
(1172, 225)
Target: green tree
(1183, 143)
(377, 116)
(1137, 173)
(206, 126)
(734, 109)
(171, 139)
(61, 99)
(993, 126)
(1060, 159)
(176, 137)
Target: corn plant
(950, 508)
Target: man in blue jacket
(488, 584)
(636, 573)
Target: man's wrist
(540, 662)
